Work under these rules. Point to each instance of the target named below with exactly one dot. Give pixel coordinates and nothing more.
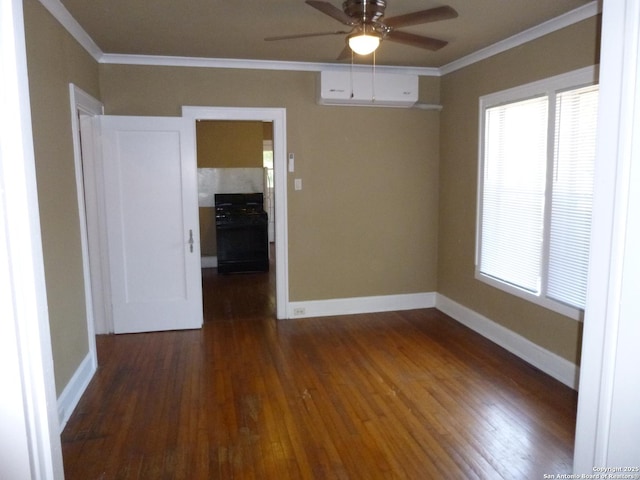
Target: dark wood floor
(406, 395)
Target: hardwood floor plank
(406, 395)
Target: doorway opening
(276, 118)
(236, 211)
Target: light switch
(297, 184)
(291, 162)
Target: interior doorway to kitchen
(244, 154)
(237, 218)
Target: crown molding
(60, 13)
(200, 62)
(574, 16)
(58, 10)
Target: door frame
(278, 117)
(29, 438)
(85, 106)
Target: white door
(151, 204)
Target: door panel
(152, 223)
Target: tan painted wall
(54, 60)
(208, 242)
(365, 222)
(225, 144)
(560, 52)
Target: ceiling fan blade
(304, 35)
(415, 40)
(333, 11)
(345, 54)
(423, 16)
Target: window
(536, 178)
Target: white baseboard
(349, 306)
(209, 262)
(550, 363)
(70, 396)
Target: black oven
(241, 233)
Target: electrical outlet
(299, 311)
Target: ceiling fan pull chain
(373, 79)
(351, 74)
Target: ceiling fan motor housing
(369, 27)
(368, 11)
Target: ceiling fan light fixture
(369, 27)
(364, 43)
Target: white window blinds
(574, 160)
(513, 192)
(535, 191)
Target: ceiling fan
(369, 27)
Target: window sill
(558, 307)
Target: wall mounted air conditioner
(367, 88)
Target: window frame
(548, 87)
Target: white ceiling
(235, 29)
